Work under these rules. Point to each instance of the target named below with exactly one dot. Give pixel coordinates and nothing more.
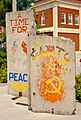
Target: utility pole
(14, 5)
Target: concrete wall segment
(41, 98)
(19, 25)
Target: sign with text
(19, 25)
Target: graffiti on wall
(52, 60)
(24, 47)
(14, 47)
(17, 50)
(19, 81)
(19, 24)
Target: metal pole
(14, 5)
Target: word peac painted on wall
(19, 81)
(18, 76)
(19, 24)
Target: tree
(24, 4)
(3, 60)
(6, 6)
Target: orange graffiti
(50, 48)
(49, 91)
(50, 85)
(24, 46)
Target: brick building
(60, 18)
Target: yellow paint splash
(19, 86)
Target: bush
(78, 87)
(3, 75)
(3, 66)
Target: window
(70, 19)
(63, 18)
(76, 20)
(43, 19)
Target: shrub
(3, 66)
(78, 87)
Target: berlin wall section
(52, 75)
(18, 26)
(78, 62)
(40, 67)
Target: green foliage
(3, 73)
(24, 4)
(6, 6)
(78, 87)
(3, 37)
(3, 60)
(36, 20)
(3, 66)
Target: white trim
(68, 30)
(78, 19)
(49, 29)
(55, 21)
(52, 3)
(80, 29)
(70, 19)
(63, 30)
(42, 19)
(69, 5)
(64, 18)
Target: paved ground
(9, 110)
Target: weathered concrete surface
(19, 25)
(78, 62)
(52, 75)
(9, 110)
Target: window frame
(78, 20)
(71, 19)
(43, 19)
(63, 18)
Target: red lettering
(16, 22)
(13, 29)
(19, 29)
(11, 22)
(26, 21)
(21, 21)
(19, 15)
(24, 29)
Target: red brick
(67, 11)
(73, 36)
(48, 17)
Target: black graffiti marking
(60, 48)
(33, 51)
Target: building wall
(39, 1)
(73, 36)
(48, 17)
(67, 11)
(74, 1)
(53, 19)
